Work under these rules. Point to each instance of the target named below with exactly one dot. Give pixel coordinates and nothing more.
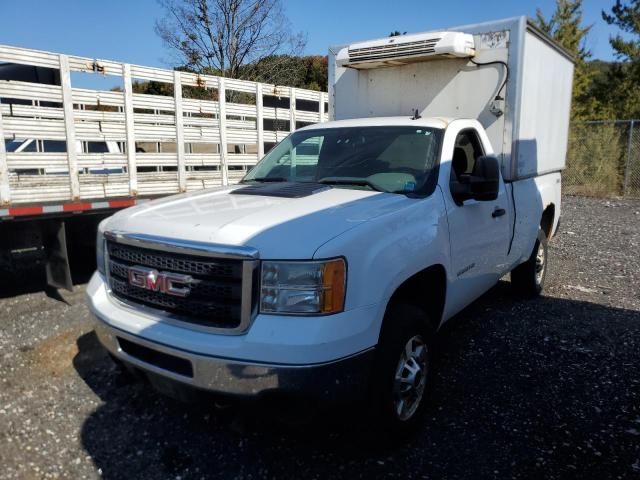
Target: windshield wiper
(266, 179)
(361, 182)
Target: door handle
(498, 212)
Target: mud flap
(57, 258)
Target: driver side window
(466, 151)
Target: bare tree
(231, 38)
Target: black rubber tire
(524, 277)
(402, 322)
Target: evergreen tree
(627, 18)
(622, 88)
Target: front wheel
(410, 378)
(402, 373)
(528, 278)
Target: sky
(123, 30)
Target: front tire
(528, 278)
(402, 373)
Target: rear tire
(402, 370)
(528, 278)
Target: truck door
(479, 230)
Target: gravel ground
(548, 388)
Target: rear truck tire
(401, 376)
(528, 278)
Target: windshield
(389, 159)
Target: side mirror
(482, 185)
(485, 181)
(461, 189)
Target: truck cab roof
(405, 120)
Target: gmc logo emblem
(174, 284)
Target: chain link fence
(603, 159)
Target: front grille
(175, 262)
(215, 297)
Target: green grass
(595, 160)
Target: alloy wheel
(410, 378)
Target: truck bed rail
(166, 144)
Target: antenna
(416, 115)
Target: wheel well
(548, 216)
(427, 290)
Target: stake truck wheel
(528, 278)
(402, 371)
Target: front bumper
(333, 382)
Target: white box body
(529, 137)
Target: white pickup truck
(326, 272)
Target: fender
(378, 250)
(532, 197)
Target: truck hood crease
(258, 221)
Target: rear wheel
(528, 278)
(402, 373)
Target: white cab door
(479, 231)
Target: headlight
(100, 245)
(303, 287)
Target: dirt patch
(54, 355)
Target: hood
(278, 227)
